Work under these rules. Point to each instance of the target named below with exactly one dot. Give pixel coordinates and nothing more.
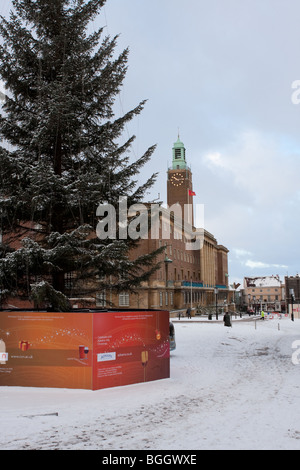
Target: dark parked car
(172, 337)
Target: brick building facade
(187, 277)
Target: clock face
(177, 179)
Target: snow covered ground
(230, 388)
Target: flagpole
(189, 214)
(190, 209)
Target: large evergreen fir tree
(64, 156)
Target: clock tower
(180, 185)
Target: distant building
(264, 293)
(292, 289)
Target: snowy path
(233, 388)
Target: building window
(160, 299)
(171, 298)
(69, 280)
(166, 298)
(124, 299)
(177, 153)
(101, 299)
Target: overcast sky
(221, 71)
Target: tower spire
(180, 186)
(179, 161)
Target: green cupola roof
(179, 161)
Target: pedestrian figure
(227, 319)
(188, 313)
(263, 315)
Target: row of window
(169, 297)
(180, 255)
(269, 298)
(187, 297)
(165, 298)
(261, 290)
(123, 299)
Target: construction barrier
(85, 350)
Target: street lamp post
(240, 303)
(167, 261)
(292, 294)
(216, 293)
(227, 285)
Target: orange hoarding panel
(44, 349)
(87, 350)
(127, 349)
